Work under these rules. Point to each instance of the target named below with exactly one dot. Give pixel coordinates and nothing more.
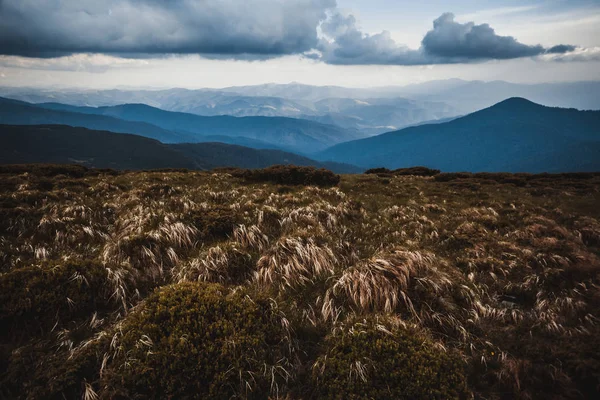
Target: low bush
(38, 371)
(51, 170)
(451, 176)
(580, 181)
(215, 223)
(36, 298)
(416, 171)
(199, 340)
(378, 171)
(291, 175)
(367, 362)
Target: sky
(356, 43)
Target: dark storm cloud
(450, 39)
(52, 28)
(238, 29)
(448, 42)
(561, 49)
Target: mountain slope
(287, 133)
(379, 115)
(19, 113)
(213, 155)
(65, 144)
(211, 103)
(515, 135)
(101, 149)
(371, 116)
(238, 141)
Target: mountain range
(370, 111)
(469, 96)
(464, 96)
(299, 135)
(360, 114)
(515, 135)
(101, 149)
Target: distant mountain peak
(511, 106)
(517, 101)
(515, 135)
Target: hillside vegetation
(294, 283)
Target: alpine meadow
(299, 199)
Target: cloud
(452, 40)
(577, 54)
(500, 12)
(96, 63)
(561, 49)
(449, 42)
(264, 28)
(233, 29)
(344, 43)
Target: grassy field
(231, 284)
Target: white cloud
(496, 12)
(96, 63)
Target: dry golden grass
(502, 275)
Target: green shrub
(34, 298)
(216, 223)
(539, 368)
(38, 371)
(580, 181)
(158, 191)
(72, 184)
(197, 340)
(416, 171)
(45, 185)
(380, 170)
(291, 175)
(51, 170)
(451, 176)
(364, 362)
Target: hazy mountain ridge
(20, 113)
(92, 148)
(291, 133)
(466, 96)
(102, 149)
(515, 135)
(384, 111)
(469, 96)
(357, 115)
(170, 127)
(385, 114)
(214, 155)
